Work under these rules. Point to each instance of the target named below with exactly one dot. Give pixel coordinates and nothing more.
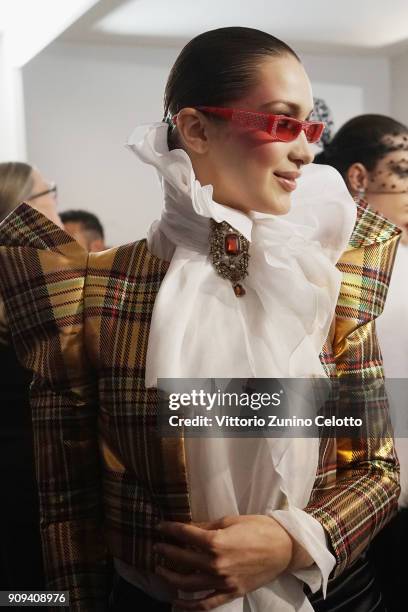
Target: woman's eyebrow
(294, 109)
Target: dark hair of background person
(360, 140)
(16, 183)
(88, 220)
(216, 68)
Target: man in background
(86, 228)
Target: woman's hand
(229, 557)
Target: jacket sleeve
(3, 324)
(42, 274)
(357, 485)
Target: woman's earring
(360, 195)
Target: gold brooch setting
(229, 251)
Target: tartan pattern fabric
(144, 475)
(42, 284)
(59, 301)
(356, 489)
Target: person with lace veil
(200, 524)
(371, 153)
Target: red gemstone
(232, 244)
(239, 290)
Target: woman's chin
(278, 206)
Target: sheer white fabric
(200, 329)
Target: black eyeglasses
(52, 189)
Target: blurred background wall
(104, 73)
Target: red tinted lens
(287, 129)
(314, 131)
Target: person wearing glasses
(21, 566)
(371, 152)
(245, 275)
(20, 182)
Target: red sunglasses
(281, 128)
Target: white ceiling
(370, 26)
(43, 22)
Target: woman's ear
(357, 178)
(192, 128)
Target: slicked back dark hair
(363, 139)
(219, 67)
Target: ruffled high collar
(292, 286)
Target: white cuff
(310, 534)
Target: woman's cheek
(260, 145)
(272, 156)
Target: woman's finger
(185, 557)
(188, 534)
(191, 582)
(207, 603)
(222, 523)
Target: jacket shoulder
(371, 228)
(366, 266)
(130, 263)
(42, 276)
(120, 291)
(26, 227)
(42, 272)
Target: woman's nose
(301, 152)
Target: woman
(371, 152)
(20, 182)
(20, 545)
(166, 309)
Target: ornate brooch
(229, 253)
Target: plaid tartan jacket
(81, 323)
